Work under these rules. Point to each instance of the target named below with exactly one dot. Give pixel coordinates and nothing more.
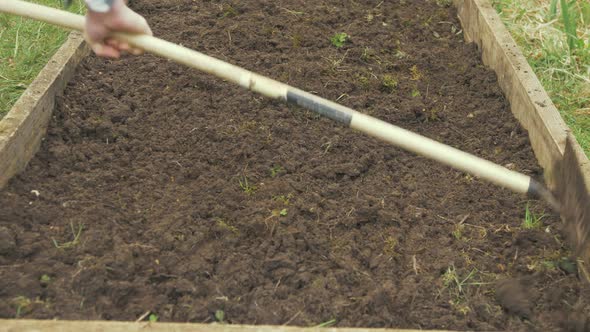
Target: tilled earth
(162, 189)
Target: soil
(158, 188)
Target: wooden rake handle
(402, 138)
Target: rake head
(573, 194)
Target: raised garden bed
(161, 189)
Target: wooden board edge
(24, 126)
(14, 325)
(529, 101)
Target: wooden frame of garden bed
(23, 128)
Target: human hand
(120, 18)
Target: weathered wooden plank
(22, 129)
(528, 99)
(95, 326)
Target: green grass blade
(570, 24)
(552, 10)
(585, 12)
(327, 324)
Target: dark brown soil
(162, 189)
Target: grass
(531, 219)
(389, 83)
(76, 238)
(24, 305)
(272, 221)
(389, 246)
(339, 39)
(556, 44)
(454, 283)
(276, 170)
(278, 213)
(247, 187)
(552, 260)
(220, 316)
(326, 323)
(45, 279)
(25, 47)
(286, 200)
(225, 225)
(457, 286)
(229, 11)
(416, 73)
(458, 231)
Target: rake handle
(402, 138)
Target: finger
(123, 46)
(118, 44)
(105, 51)
(112, 42)
(136, 51)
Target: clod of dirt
(7, 241)
(513, 298)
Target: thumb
(95, 31)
